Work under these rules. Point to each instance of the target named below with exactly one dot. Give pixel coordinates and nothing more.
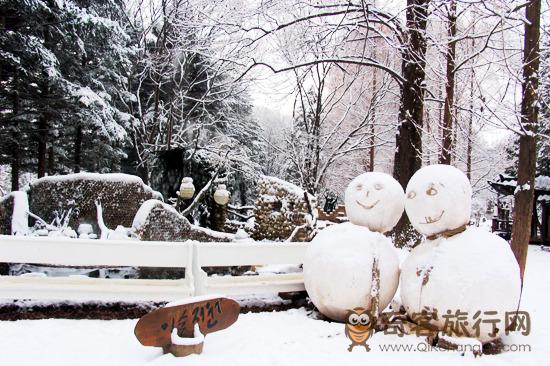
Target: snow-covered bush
(74, 196)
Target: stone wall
(280, 207)
(336, 216)
(121, 196)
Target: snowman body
(470, 279)
(338, 266)
(338, 269)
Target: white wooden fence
(189, 255)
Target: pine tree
(64, 65)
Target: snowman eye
(378, 186)
(359, 187)
(431, 191)
(411, 195)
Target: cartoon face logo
(359, 327)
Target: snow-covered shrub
(280, 208)
(75, 194)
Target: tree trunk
(408, 153)
(78, 149)
(15, 148)
(373, 102)
(15, 167)
(470, 127)
(42, 145)
(51, 161)
(447, 131)
(523, 198)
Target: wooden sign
(211, 315)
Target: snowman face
(438, 198)
(374, 200)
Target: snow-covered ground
(283, 338)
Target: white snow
(287, 186)
(180, 341)
(374, 200)
(85, 229)
(338, 269)
(107, 177)
(524, 187)
(269, 338)
(438, 198)
(190, 300)
(69, 233)
(213, 233)
(542, 182)
(20, 217)
(141, 215)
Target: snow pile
(107, 177)
(180, 341)
(20, 216)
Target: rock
(158, 221)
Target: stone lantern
(187, 189)
(221, 195)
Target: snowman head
(374, 200)
(438, 198)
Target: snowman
(466, 275)
(339, 262)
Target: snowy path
(284, 338)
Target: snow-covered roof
(542, 182)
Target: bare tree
(448, 114)
(523, 197)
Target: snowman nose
(367, 193)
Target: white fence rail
(189, 255)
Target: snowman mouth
(430, 220)
(365, 206)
